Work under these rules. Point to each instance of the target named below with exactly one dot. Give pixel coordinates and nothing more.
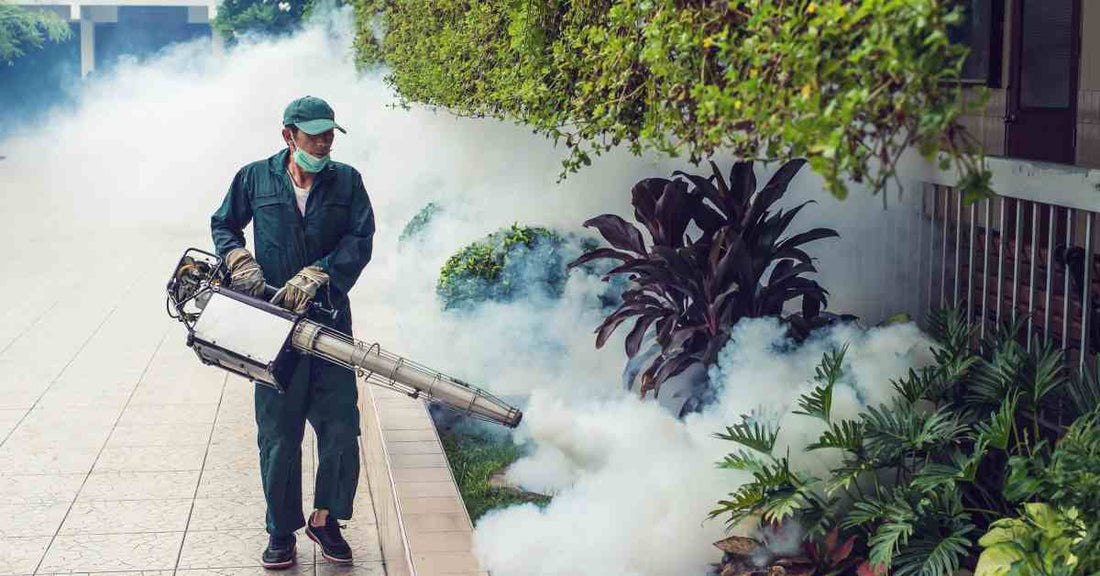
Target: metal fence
(1009, 259)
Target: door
(1042, 95)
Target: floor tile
(229, 513)
(435, 522)
(160, 435)
(418, 461)
(169, 414)
(21, 555)
(46, 462)
(39, 488)
(139, 486)
(427, 490)
(205, 393)
(299, 569)
(364, 542)
(232, 548)
(112, 552)
(457, 562)
(358, 568)
(421, 447)
(431, 542)
(439, 474)
(31, 519)
(151, 458)
(242, 484)
(127, 516)
(233, 455)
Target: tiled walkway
(119, 451)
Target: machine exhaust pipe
(255, 339)
(376, 366)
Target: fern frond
(1045, 372)
(952, 332)
(818, 403)
(930, 554)
(751, 434)
(997, 430)
(741, 461)
(846, 435)
(899, 429)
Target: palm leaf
(846, 435)
(818, 403)
(751, 434)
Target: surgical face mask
(309, 162)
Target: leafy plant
(691, 289)
(1060, 524)
(508, 263)
(267, 17)
(1038, 542)
(22, 29)
(848, 85)
(921, 476)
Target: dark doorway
(1042, 96)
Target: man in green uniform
(313, 230)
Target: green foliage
(1038, 542)
(1063, 485)
(420, 221)
(922, 476)
(22, 29)
(505, 265)
(691, 288)
(819, 402)
(847, 85)
(474, 458)
(267, 17)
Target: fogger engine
(256, 339)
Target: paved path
(119, 452)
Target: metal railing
(1007, 259)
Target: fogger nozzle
(379, 367)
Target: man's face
(316, 145)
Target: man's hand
(245, 274)
(300, 289)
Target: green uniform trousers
(326, 396)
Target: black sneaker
(280, 552)
(333, 546)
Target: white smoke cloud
(147, 156)
(632, 484)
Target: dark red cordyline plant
(692, 286)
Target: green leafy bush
(509, 263)
(921, 476)
(268, 17)
(848, 85)
(22, 29)
(1058, 530)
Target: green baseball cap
(311, 115)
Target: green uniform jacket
(336, 234)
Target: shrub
(848, 85)
(691, 290)
(510, 263)
(919, 476)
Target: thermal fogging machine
(255, 339)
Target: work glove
(245, 275)
(299, 290)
